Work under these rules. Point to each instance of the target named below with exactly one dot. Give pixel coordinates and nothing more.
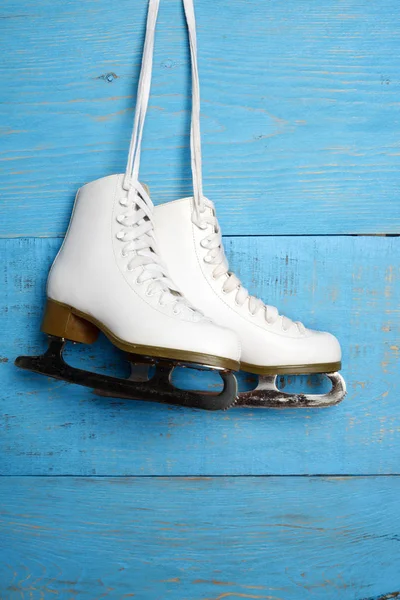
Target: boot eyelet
(202, 226)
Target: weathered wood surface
(300, 109)
(191, 539)
(300, 121)
(348, 285)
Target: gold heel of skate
(60, 321)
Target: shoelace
(213, 241)
(216, 256)
(137, 219)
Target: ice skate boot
(109, 277)
(271, 343)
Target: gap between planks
(236, 235)
(218, 476)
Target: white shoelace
(213, 241)
(137, 219)
(216, 256)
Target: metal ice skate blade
(267, 395)
(156, 389)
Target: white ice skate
(190, 242)
(109, 277)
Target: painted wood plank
(300, 111)
(347, 285)
(192, 539)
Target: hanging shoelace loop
(213, 241)
(136, 217)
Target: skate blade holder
(138, 386)
(268, 395)
(141, 385)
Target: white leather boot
(109, 276)
(270, 342)
(190, 242)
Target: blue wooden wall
(301, 128)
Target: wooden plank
(186, 539)
(347, 285)
(300, 111)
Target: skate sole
(322, 368)
(67, 322)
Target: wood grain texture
(348, 285)
(192, 539)
(300, 111)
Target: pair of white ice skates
(156, 282)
